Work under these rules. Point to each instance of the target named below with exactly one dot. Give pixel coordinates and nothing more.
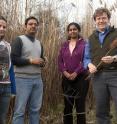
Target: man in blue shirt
(104, 74)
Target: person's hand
(45, 62)
(66, 74)
(73, 76)
(36, 61)
(92, 68)
(107, 59)
(13, 96)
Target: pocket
(5, 89)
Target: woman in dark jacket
(75, 87)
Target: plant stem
(99, 64)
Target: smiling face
(31, 27)
(102, 21)
(3, 26)
(73, 32)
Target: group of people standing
(95, 59)
(77, 60)
(26, 54)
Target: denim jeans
(104, 86)
(29, 93)
(5, 92)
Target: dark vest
(99, 50)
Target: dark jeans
(104, 87)
(5, 91)
(74, 95)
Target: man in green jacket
(101, 60)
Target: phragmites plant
(113, 46)
(51, 32)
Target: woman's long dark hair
(77, 26)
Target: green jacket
(98, 50)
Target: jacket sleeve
(87, 56)
(12, 79)
(61, 65)
(16, 51)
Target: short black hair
(2, 18)
(29, 18)
(75, 24)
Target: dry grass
(51, 33)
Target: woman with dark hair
(75, 87)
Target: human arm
(67, 75)
(12, 80)
(41, 61)
(87, 59)
(16, 48)
(61, 64)
(109, 59)
(16, 55)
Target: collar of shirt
(102, 35)
(31, 38)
